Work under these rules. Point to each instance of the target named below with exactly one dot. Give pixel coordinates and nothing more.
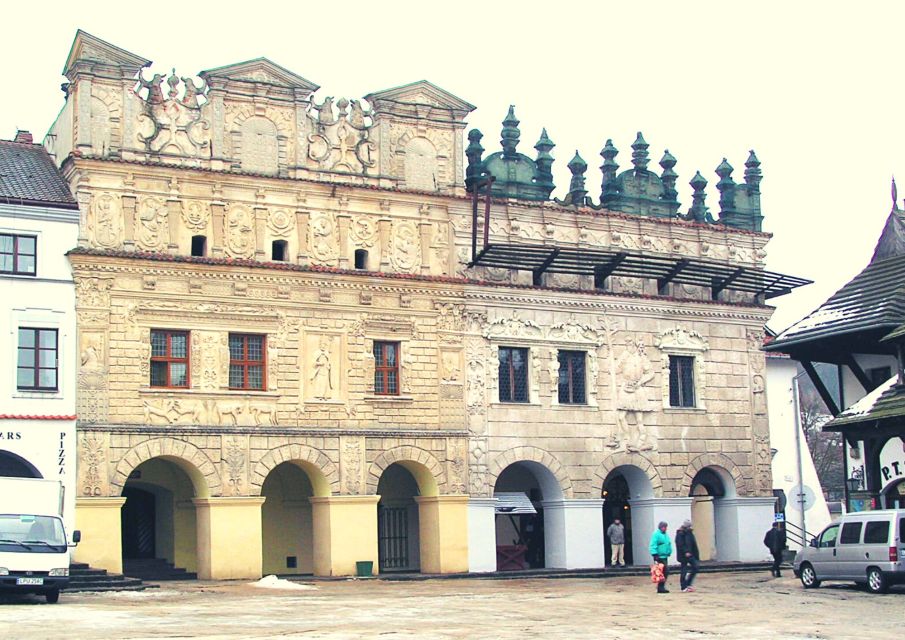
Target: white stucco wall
(784, 429)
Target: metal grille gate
(393, 538)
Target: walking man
(689, 558)
(616, 533)
(661, 549)
(775, 541)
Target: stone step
(82, 577)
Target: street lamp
(853, 485)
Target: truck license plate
(29, 580)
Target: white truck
(34, 549)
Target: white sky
(814, 87)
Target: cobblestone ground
(745, 605)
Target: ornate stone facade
(237, 204)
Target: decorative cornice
(188, 430)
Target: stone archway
(625, 459)
(322, 472)
(734, 483)
(530, 454)
(422, 464)
(188, 457)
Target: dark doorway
(278, 251)
(13, 466)
(199, 246)
(138, 517)
(616, 496)
(361, 259)
(398, 544)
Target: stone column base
(229, 537)
(443, 533)
(102, 542)
(740, 527)
(573, 534)
(345, 532)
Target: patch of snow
(865, 404)
(272, 582)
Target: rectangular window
(681, 381)
(571, 377)
(513, 374)
(851, 533)
(386, 368)
(18, 254)
(246, 361)
(170, 359)
(876, 532)
(37, 361)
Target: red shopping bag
(656, 573)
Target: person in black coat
(689, 557)
(775, 541)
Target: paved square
(745, 605)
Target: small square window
(18, 254)
(37, 361)
(386, 368)
(246, 361)
(681, 381)
(513, 374)
(170, 359)
(572, 377)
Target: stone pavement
(736, 605)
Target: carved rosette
(281, 223)
(106, 221)
(195, 215)
(240, 232)
(363, 232)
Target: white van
(866, 547)
(34, 551)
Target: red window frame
(383, 371)
(247, 363)
(16, 253)
(36, 367)
(170, 359)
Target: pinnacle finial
(698, 211)
(895, 195)
(639, 153)
(509, 137)
(544, 160)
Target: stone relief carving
(450, 367)
(92, 400)
(195, 215)
(93, 292)
(234, 459)
(321, 372)
(92, 459)
(151, 224)
(107, 226)
(281, 222)
(456, 458)
(406, 250)
(478, 466)
(634, 371)
(209, 376)
(363, 232)
(513, 327)
(341, 143)
(352, 465)
(450, 316)
(440, 248)
(240, 232)
(681, 339)
(171, 124)
(323, 241)
(208, 412)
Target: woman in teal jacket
(661, 549)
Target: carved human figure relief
(321, 377)
(406, 252)
(634, 371)
(151, 230)
(450, 367)
(323, 241)
(107, 220)
(240, 235)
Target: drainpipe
(797, 409)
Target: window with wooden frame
(386, 368)
(36, 366)
(169, 359)
(246, 361)
(513, 374)
(681, 381)
(18, 254)
(572, 377)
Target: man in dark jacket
(689, 557)
(775, 541)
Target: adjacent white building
(39, 222)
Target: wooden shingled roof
(860, 314)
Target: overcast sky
(814, 87)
